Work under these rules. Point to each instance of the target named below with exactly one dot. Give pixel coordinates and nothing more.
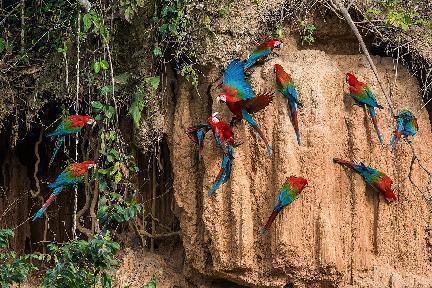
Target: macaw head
(216, 117)
(351, 79)
(222, 98)
(81, 120)
(385, 184)
(88, 164)
(275, 43)
(297, 182)
(89, 120)
(278, 68)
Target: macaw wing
(286, 196)
(258, 103)
(255, 56)
(293, 92)
(197, 133)
(66, 178)
(234, 78)
(370, 98)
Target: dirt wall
(340, 232)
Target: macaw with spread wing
(286, 87)
(240, 98)
(70, 125)
(379, 181)
(363, 95)
(71, 175)
(406, 125)
(289, 192)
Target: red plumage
(79, 120)
(80, 169)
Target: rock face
(340, 233)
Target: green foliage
(174, 27)
(307, 34)
(139, 98)
(226, 8)
(98, 65)
(395, 15)
(13, 268)
(103, 111)
(130, 8)
(152, 283)
(2, 44)
(82, 264)
(92, 22)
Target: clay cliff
(340, 232)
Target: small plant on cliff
(307, 34)
(13, 268)
(82, 264)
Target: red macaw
(72, 175)
(363, 95)
(262, 52)
(70, 125)
(286, 87)
(289, 192)
(240, 98)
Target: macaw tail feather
(343, 163)
(375, 122)
(59, 142)
(395, 138)
(294, 120)
(255, 126)
(270, 220)
(52, 197)
(224, 172)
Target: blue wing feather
(234, 77)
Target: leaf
(118, 177)
(136, 108)
(87, 20)
(153, 81)
(97, 106)
(96, 67)
(2, 44)
(106, 90)
(122, 78)
(104, 64)
(157, 51)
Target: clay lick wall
(340, 232)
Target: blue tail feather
(59, 142)
(39, 214)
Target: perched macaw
(286, 87)
(406, 125)
(289, 192)
(225, 139)
(262, 52)
(240, 98)
(70, 125)
(197, 133)
(71, 175)
(363, 95)
(379, 181)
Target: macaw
(379, 181)
(240, 98)
(197, 133)
(289, 192)
(363, 95)
(73, 174)
(262, 52)
(225, 139)
(406, 125)
(70, 125)
(286, 87)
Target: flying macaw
(262, 52)
(406, 125)
(73, 174)
(240, 98)
(289, 192)
(70, 125)
(286, 87)
(225, 139)
(363, 95)
(197, 133)
(379, 181)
